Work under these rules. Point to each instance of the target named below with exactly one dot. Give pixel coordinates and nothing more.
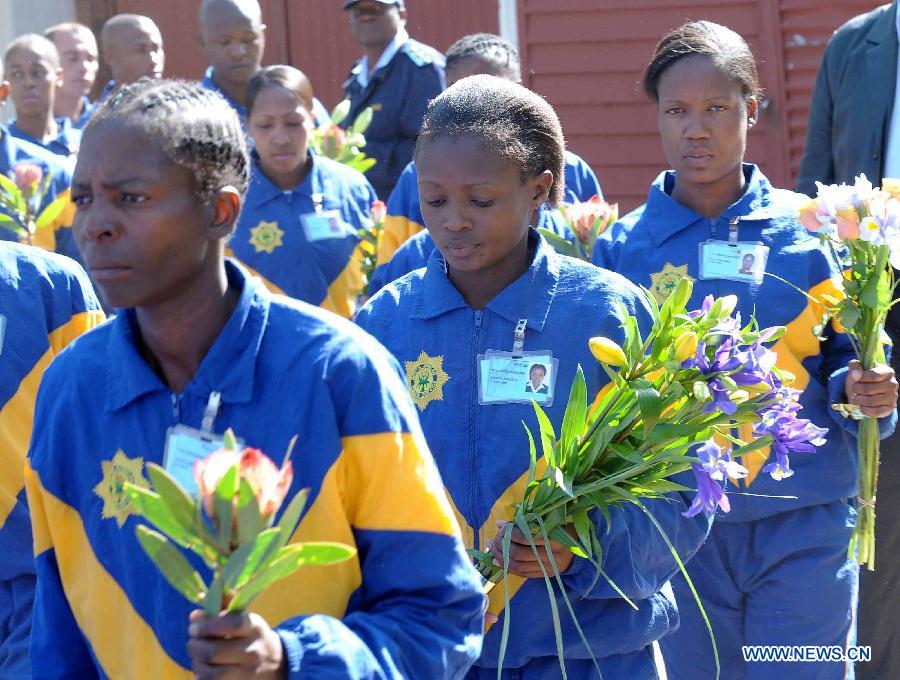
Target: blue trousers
(780, 580)
(16, 605)
(638, 665)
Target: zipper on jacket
(473, 406)
(176, 407)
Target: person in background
(31, 64)
(405, 244)
(396, 76)
(46, 301)
(159, 186)
(233, 37)
(78, 57)
(57, 236)
(298, 229)
(853, 128)
(132, 47)
(775, 569)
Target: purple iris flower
(704, 308)
(714, 466)
(789, 433)
(745, 367)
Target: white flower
(870, 230)
(863, 191)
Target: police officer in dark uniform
(397, 76)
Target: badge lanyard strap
(732, 231)
(212, 410)
(318, 199)
(519, 336)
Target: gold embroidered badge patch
(425, 378)
(266, 237)
(111, 488)
(664, 282)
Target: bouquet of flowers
(860, 224)
(587, 220)
(369, 238)
(674, 399)
(232, 527)
(20, 201)
(344, 146)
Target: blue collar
(229, 367)
(107, 90)
(210, 84)
(666, 216)
(361, 68)
(63, 134)
(264, 190)
(528, 297)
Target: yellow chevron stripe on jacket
(344, 291)
(121, 640)
(17, 415)
(397, 230)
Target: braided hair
(504, 117)
(489, 47)
(194, 126)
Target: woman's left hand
(522, 560)
(234, 646)
(874, 391)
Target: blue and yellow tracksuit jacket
(483, 455)
(398, 93)
(65, 144)
(404, 220)
(57, 236)
(86, 112)
(408, 605)
(658, 243)
(271, 241)
(46, 301)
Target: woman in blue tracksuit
(489, 153)
(405, 244)
(298, 230)
(775, 569)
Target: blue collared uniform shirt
(408, 605)
(65, 144)
(657, 245)
(271, 240)
(483, 454)
(398, 93)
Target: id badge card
(186, 445)
(320, 226)
(739, 261)
(516, 377)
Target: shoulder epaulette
(421, 55)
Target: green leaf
(752, 446)
(626, 452)
(181, 506)
(532, 454)
(172, 564)
(362, 122)
(340, 112)
(224, 504)
(212, 603)
(244, 562)
(575, 417)
(15, 195)
(151, 506)
(52, 211)
(559, 244)
(563, 481)
(250, 522)
(229, 441)
(289, 560)
(290, 518)
(584, 527)
(649, 402)
(548, 436)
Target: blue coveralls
(271, 240)
(399, 93)
(408, 605)
(483, 455)
(58, 235)
(46, 301)
(774, 570)
(401, 248)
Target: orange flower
(378, 211)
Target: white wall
(30, 16)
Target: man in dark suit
(397, 76)
(854, 127)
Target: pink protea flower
(848, 224)
(270, 484)
(28, 176)
(584, 216)
(333, 141)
